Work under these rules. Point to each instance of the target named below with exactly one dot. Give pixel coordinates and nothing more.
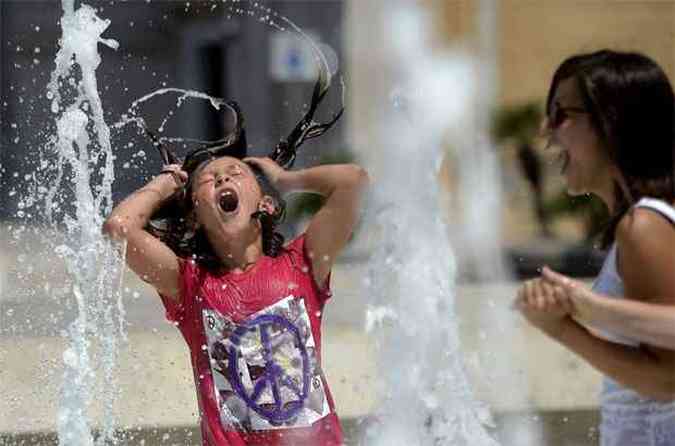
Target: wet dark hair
(273, 241)
(632, 107)
(173, 223)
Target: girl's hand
(577, 294)
(545, 306)
(176, 172)
(276, 174)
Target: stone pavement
(523, 377)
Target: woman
(612, 114)
(248, 307)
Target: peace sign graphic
(274, 376)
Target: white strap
(660, 206)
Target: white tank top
(609, 282)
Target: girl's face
(586, 162)
(225, 194)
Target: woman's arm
(646, 263)
(649, 323)
(342, 186)
(646, 322)
(545, 307)
(153, 261)
(635, 368)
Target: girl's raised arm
(342, 186)
(152, 260)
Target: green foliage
(518, 123)
(589, 207)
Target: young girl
(248, 307)
(612, 115)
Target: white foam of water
(82, 145)
(426, 396)
(183, 95)
(85, 165)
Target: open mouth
(229, 201)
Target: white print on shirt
(265, 369)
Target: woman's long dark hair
(632, 107)
(173, 224)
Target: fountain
(412, 314)
(425, 395)
(94, 265)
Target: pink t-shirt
(255, 345)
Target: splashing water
(325, 57)
(85, 166)
(427, 399)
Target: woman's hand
(578, 296)
(544, 305)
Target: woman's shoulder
(644, 234)
(647, 216)
(642, 223)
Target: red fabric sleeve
(176, 310)
(300, 258)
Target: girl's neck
(239, 255)
(243, 261)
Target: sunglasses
(561, 114)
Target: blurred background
(203, 46)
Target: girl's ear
(267, 204)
